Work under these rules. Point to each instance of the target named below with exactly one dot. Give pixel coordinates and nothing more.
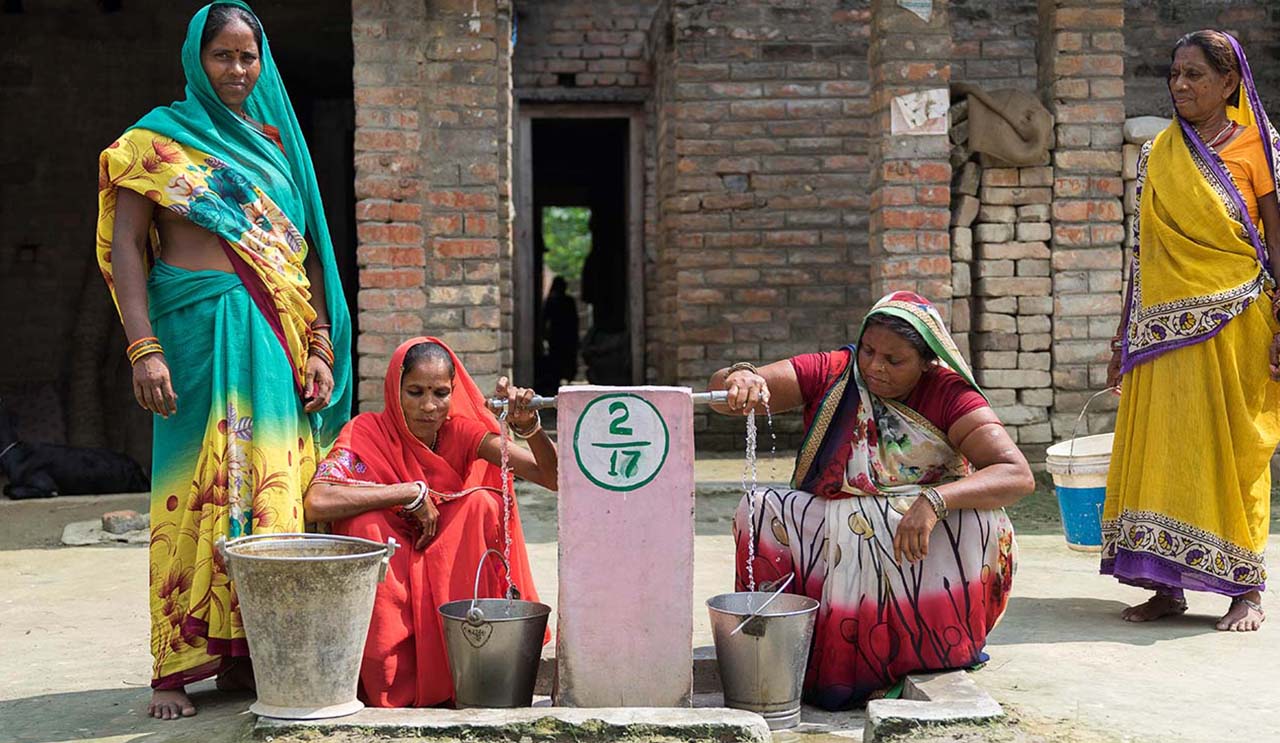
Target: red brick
(389, 233)
(394, 278)
(453, 248)
(367, 255)
(462, 200)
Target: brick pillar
(433, 175)
(910, 173)
(1082, 69)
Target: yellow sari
(1189, 490)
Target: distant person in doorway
(895, 519)
(1197, 350)
(238, 332)
(411, 472)
(560, 329)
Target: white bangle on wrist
(419, 500)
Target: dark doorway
(578, 171)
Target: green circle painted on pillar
(620, 441)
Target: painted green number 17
(631, 461)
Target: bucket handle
(1071, 450)
(756, 612)
(385, 564)
(474, 614)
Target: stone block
(1142, 129)
(1012, 250)
(964, 209)
(960, 132)
(1015, 196)
(961, 314)
(962, 343)
(988, 322)
(994, 213)
(1035, 342)
(1037, 360)
(995, 342)
(1000, 177)
(959, 111)
(968, 176)
(961, 244)
(1130, 169)
(995, 268)
(1033, 232)
(998, 396)
(960, 154)
(620, 478)
(123, 522)
(1034, 213)
(1035, 433)
(1078, 305)
(1035, 305)
(1130, 204)
(961, 280)
(1071, 282)
(999, 305)
(1040, 397)
(1034, 324)
(1015, 379)
(1018, 287)
(1033, 267)
(1042, 176)
(1020, 415)
(996, 360)
(993, 233)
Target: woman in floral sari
(425, 471)
(236, 345)
(1189, 489)
(894, 520)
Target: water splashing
(773, 444)
(749, 467)
(504, 440)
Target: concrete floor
(73, 628)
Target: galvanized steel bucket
(494, 647)
(762, 666)
(306, 601)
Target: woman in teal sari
(212, 238)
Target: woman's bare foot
(1156, 607)
(1245, 614)
(237, 676)
(170, 704)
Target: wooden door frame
(523, 281)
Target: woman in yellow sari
(212, 238)
(1189, 491)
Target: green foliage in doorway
(566, 232)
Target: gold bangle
(742, 366)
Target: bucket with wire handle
(1079, 467)
(494, 646)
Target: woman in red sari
(398, 474)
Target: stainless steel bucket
(494, 645)
(306, 601)
(762, 666)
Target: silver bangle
(936, 501)
(537, 426)
(419, 500)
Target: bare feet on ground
(1159, 605)
(237, 676)
(170, 704)
(1245, 614)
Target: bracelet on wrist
(419, 500)
(526, 435)
(936, 501)
(742, 366)
(143, 347)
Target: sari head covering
(198, 158)
(855, 445)
(1206, 259)
(378, 448)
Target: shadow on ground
(120, 715)
(1085, 620)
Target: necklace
(1217, 137)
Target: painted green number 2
(615, 426)
(630, 464)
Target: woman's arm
(1001, 477)
(318, 385)
(152, 385)
(327, 501)
(540, 464)
(774, 384)
(1269, 210)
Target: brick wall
(575, 46)
(764, 219)
(994, 43)
(433, 181)
(1152, 26)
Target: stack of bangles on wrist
(935, 499)
(321, 345)
(537, 426)
(419, 500)
(1116, 343)
(143, 347)
(742, 366)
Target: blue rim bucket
(1079, 468)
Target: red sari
(405, 664)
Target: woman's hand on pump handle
(746, 391)
(520, 416)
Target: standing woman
(236, 345)
(1189, 491)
